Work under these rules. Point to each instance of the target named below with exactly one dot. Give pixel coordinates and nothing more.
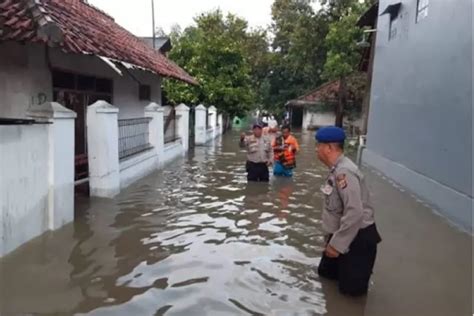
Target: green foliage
(298, 51)
(224, 57)
(240, 69)
(343, 55)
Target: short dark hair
(286, 127)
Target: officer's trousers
(353, 269)
(257, 171)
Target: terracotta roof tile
(327, 91)
(85, 30)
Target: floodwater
(193, 239)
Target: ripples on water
(194, 239)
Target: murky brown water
(194, 239)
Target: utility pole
(153, 21)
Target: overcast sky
(135, 15)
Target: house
(71, 50)
(420, 130)
(80, 105)
(72, 53)
(317, 108)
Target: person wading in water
(348, 217)
(259, 154)
(285, 148)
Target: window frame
(422, 12)
(144, 95)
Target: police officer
(348, 218)
(259, 154)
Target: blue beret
(330, 134)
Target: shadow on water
(193, 239)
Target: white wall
(24, 184)
(138, 166)
(318, 119)
(172, 151)
(125, 90)
(25, 79)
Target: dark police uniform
(259, 154)
(348, 219)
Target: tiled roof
(77, 27)
(327, 91)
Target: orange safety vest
(285, 149)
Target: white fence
(209, 124)
(37, 176)
(123, 151)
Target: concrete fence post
(213, 120)
(102, 142)
(156, 136)
(220, 123)
(182, 124)
(60, 162)
(200, 131)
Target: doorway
(76, 92)
(297, 117)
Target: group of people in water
(269, 146)
(348, 213)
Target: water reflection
(194, 239)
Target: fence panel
(134, 136)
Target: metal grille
(133, 136)
(169, 128)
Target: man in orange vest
(285, 148)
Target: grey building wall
(420, 122)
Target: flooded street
(193, 239)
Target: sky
(135, 15)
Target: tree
(343, 55)
(298, 50)
(225, 59)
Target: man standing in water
(259, 154)
(348, 218)
(285, 148)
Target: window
(144, 92)
(85, 83)
(103, 85)
(64, 80)
(71, 81)
(422, 9)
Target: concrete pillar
(102, 143)
(213, 120)
(307, 115)
(60, 162)
(200, 132)
(220, 122)
(157, 137)
(182, 124)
